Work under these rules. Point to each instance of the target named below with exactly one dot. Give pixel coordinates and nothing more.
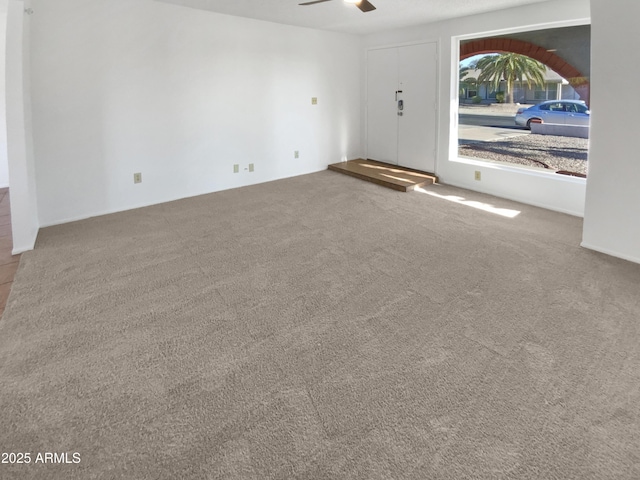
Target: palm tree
(510, 67)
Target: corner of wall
(24, 210)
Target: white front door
(382, 119)
(417, 125)
(402, 134)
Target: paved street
(486, 120)
(483, 126)
(474, 133)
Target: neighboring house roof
(550, 76)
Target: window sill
(519, 169)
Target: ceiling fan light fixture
(364, 5)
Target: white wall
(4, 161)
(24, 210)
(612, 216)
(537, 188)
(124, 86)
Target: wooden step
(391, 176)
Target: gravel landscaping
(544, 151)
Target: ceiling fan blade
(365, 6)
(314, 2)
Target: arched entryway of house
(576, 79)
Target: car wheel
(532, 120)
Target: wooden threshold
(391, 176)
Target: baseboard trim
(23, 248)
(611, 253)
(111, 211)
(553, 208)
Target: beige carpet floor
(321, 327)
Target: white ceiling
(339, 16)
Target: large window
(507, 80)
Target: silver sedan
(562, 112)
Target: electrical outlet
(478, 175)
(236, 168)
(137, 178)
(314, 100)
(251, 167)
(296, 154)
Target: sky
(467, 61)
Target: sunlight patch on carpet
(504, 212)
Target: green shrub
(500, 97)
(476, 99)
